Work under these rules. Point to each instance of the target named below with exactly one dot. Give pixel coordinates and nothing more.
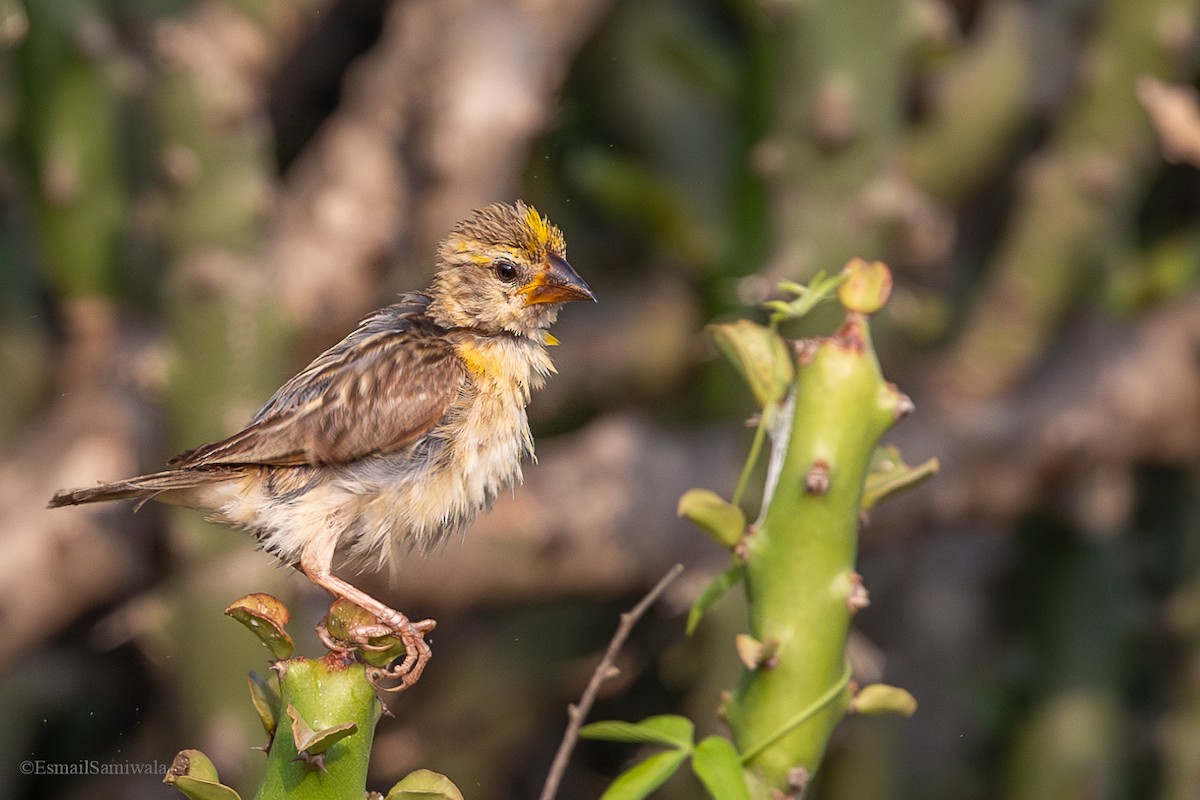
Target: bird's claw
(416, 653)
(372, 638)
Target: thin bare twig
(577, 713)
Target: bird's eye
(505, 270)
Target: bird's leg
(316, 562)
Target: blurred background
(198, 197)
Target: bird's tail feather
(144, 487)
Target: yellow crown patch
(538, 226)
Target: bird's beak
(557, 283)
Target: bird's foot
(392, 646)
(416, 652)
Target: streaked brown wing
(377, 390)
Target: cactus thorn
(798, 778)
(741, 550)
(816, 480)
(903, 403)
(310, 762)
(858, 597)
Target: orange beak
(557, 283)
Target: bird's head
(504, 269)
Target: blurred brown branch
(57, 567)
(1111, 398)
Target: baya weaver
(398, 435)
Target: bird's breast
(488, 429)
(475, 452)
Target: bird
(396, 437)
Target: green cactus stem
(323, 743)
(799, 559)
(319, 715)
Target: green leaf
(889, 475)
(819, 289)
(880, 698)
(713, 592)
(193, 773)
(666, 729)
(195, 789)
(315, 742)
(760, 355)
(716, 516)
(642, 778)
(424, 784)
(719, 767)
(265, 697)
(266, 617)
